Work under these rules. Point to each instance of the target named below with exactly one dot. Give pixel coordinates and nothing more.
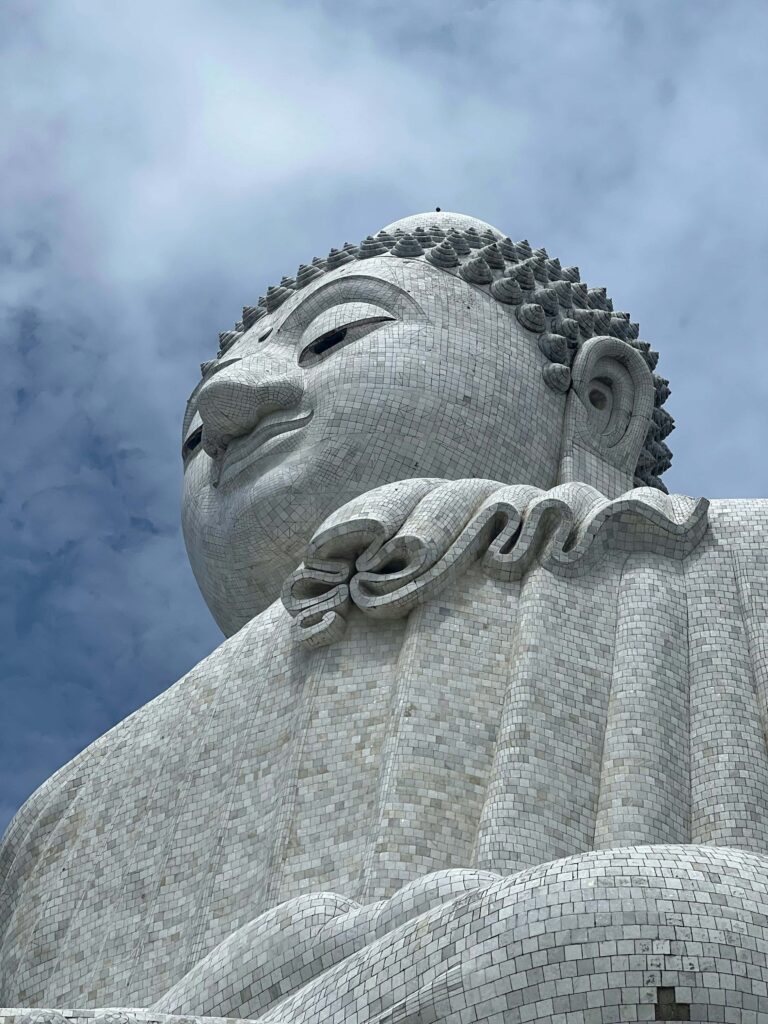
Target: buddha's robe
(501, 678)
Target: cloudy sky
(162, 161)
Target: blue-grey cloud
(162, 162)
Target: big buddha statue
(486, 741)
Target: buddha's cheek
(372, 402)
(196, 504)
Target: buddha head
(436, 348)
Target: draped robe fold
(500, 724)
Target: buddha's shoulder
(739, 521)
(235, 663)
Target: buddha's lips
(242, 450)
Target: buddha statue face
(380, 370)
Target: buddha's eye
(331, 341)
(192, 444)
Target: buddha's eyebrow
(220, 364)
(357, 288)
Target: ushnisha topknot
(549, 300)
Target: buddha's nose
(243, 392)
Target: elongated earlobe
(608, 415)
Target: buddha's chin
(237, 596)
(243, 543)
(242, 575)
(245, 537)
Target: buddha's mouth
(243, 451)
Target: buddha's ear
(608, 412)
